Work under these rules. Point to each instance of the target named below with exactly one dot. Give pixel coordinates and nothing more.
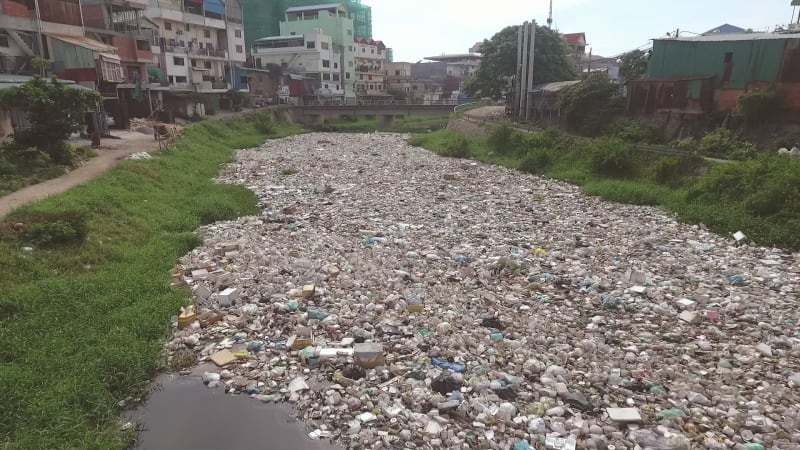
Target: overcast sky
(419, 28)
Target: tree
(590, 106)
(633, 65)
(54, 109)
(499, 65)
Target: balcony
(207, 52)
(16, 65)
(212, 87)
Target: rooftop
(278, 38)
(575, 38)
(734, 37)
(312, 8)
(455, 56)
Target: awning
(82, 41)
(108, 57)
(156, 73)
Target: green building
(262, 18)
(691, 77)
(332, 20)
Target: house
(370, 70)
(398, 78)
(576, 42)
(312, 56)
(725, 29)
(544, 101)
(330, 20)
(694, 76)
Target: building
(576, 42)
(398, 78)
(330, 20)
(701, 74)
(370, 69)
(262, 18)
(262, 84)
(461, 65)
(200, 43)
(725, 29)
(311, 55)
(446, 73)
(602, 64)
(477, 47)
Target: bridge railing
(394, 103)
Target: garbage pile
(402, 300)
(139, 156)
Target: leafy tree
(54, 109)
(499, 65)
(633, 65)
(592, 105)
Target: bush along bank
(86, 297)
(759, 196)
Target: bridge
(386, 112)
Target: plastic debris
(574, 318)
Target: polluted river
(386, 297)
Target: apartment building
(199, 43)
(370, 68)
(398, 78)
(311, 55)
(331, 20)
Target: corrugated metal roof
(9, 81)
(455, 56)
(735, 37)
(82, 41)
(556, 86)
(314, 7)
(277, 38)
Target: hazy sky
(419, 28)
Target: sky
(415, 29)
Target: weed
(612, 157)
(674, 170)
(181, 360)
(287, 171)
(537, 161)
(82, 326)
(505, 265)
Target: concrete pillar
(387, 120)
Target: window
(397, 73)
(243, 79)
(207, 64)
(311, 44)
(171, 79)
(140, 45)
(326, 85)
(363, 50)
(350, 63)
(186, 27)
(372, 50)
(239, 49)
(180, 79)
(326, 63)
(178, 61)
(167, 25)
(349, 48)
(347, 75)
(194, 63)
(292, 33)
(337, 87)
(335, 65)
(326, 76)
(361, 76)
(324, 45)
(111, 71)
(349, 32)
(370, 78)
(336, 77)
(237, 33)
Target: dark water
(182, 413)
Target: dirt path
(111, 152)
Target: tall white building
(311, 55)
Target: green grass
(404, 124)
(16, 174)
(82, 326)
(760, 197)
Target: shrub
(30, 156)
(590, 106)
(505, 140)
(54, 230)
(262, 123)
(759, 105)
(720, 143)
(456, 146)
(537, 161)
(672, 170)
(612, 157)
(633, 131)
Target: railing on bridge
(360, 102)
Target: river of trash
(399, 299)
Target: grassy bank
(24, 167)
(83, 314)
(761, 196)
(405, 124)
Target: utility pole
(550, 16)
(525, 60)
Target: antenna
(550, 17)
